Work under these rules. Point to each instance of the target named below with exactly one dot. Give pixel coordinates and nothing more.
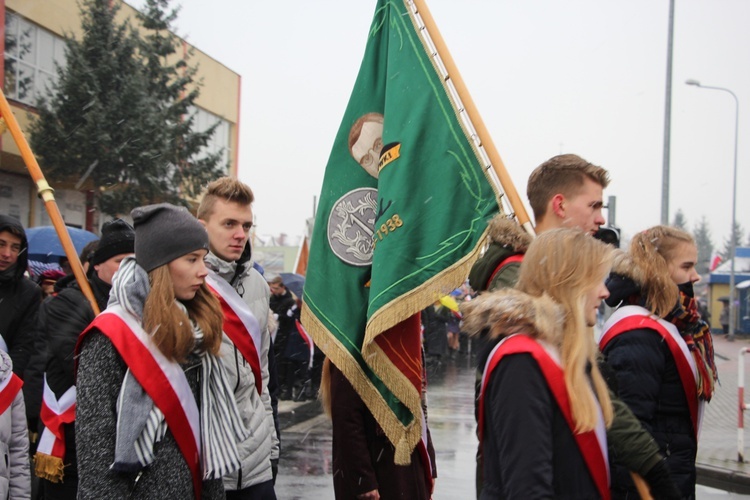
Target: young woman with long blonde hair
(660, 348)
(156, 417)
(544, 405)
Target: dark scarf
(697, 335)
(9, 275)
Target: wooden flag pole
(46, 193)
(484, 137)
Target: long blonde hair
(170, 327)
(651, 251)
(566, 264)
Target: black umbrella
(294, 282)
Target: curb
(723, 479)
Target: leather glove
(661, 483)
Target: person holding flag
(408, 190)
(62, 320)
(226, 213)
(155, 413)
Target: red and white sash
(54, 414)
(592, 444)
(629, 318)
(240, 324)
(8, 390)
(308, 340)
(162, 379)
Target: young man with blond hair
(226, 212)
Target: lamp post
(732, 242)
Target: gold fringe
(403, 437)
(49, 467)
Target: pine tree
(726, 253)
(680, 222)
(171, 80)
(702, 235)
(108, 120)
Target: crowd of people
(160, 388)
(170, 391)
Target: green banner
(401, 218)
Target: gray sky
(581, 76)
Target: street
(305, 465)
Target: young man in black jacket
(19, 296)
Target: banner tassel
(403, 452)
(49, 467)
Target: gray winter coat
(262, 446)
(14, 443)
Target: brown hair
(565, 264)
(563, 174)
(277, 280)
(651, 251)
(170, 328)
(228, 189)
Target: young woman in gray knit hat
(155, 417)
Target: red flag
(715, 261)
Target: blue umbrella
(45, 246)
(294, 282)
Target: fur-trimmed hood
(625, 279)
(508, 233)
(506, 238)
(509, 311)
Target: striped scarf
(697, 335)
(220, 421)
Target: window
(219, 142)
(30, 56)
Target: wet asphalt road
(305, 464)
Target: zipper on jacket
(135, 484)
(237, 367)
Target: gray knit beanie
(165, 232)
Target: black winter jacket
(649, 383)
(19, 302)
(529, 449)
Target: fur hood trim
(508, 233)
(509, 311)
(624, 266)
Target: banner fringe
(403, 437)
(49, 467)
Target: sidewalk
(717, 445)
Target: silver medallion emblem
(350, 226)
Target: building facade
(719, 291)
(33, 42)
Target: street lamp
(733, 243)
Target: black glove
(661, 483)
(274, 468)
